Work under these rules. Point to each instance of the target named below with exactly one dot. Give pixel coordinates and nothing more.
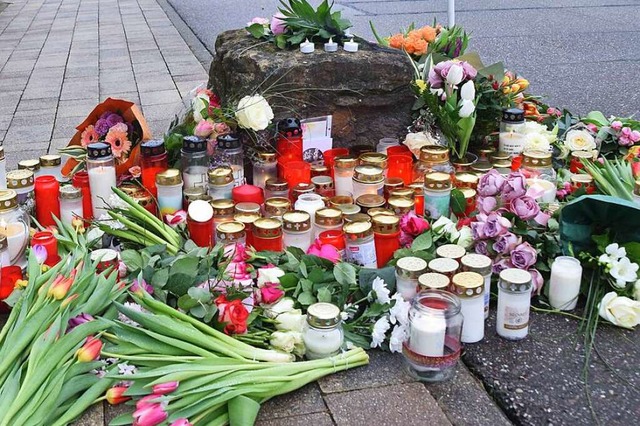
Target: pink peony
(514, 187)
(203, 129)
(326, 251)
(278, 25)
(524, 256)
(525, 208)
(490, 184)
(271, 293)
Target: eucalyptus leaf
(306, 298)
(345, 273)
(133, 260)
(422, 242)
(324, 295)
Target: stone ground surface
(59, 57)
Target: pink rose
(326, 251)
(203, 129)
(491, 184)
(477, 230)
(506, 242)
(554, 111)
(514, 187)
(635, 136)
(592, 127)
(413, 224)
(616, 125)
(278, 25)
(496, 225)
(238, 271)
(221, 128)
(486, 204)
(525, 208)
(501, 264)
(524, 256)
(537, 280)
(176, 219)
(624, 139)
(239, 251)
(271, 293)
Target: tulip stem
(557, 311)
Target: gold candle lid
(18, 179)
(418, 188)
(50, 160)
(536, 159)
(247, 207)
(267, 228)
(434, 154)
(358, 217)
(267, 157)
(230, 232)
(467, 284)
(296, 221)
(437, 181)
(410, 267)
(378, 211)
(434, 280)
(391, 183)
(357, 230)
(220, 176)
(319, 170)
(368, 174)
(222, 207)
(444, 265)
(170, 177)
(348, 209)
(322, 183)
(515, 280)
(479, 263)
(344, 162)
(31, 164)
(275, 184)
(323, 315)
(339, 200)
(481, 167)
(246, 218)
(586, 179)
(8, 199)
(484, 153)
(499, 156)
(401, 205)
(303, 188)
(377, 159)
(368, 201)
(277, 206)
(404, 192)
(328, 216)
(502, 164)
(4, 245)
(193, 193)
(451, 251)
(465, 180)
(385, 224)
(143, 197)
(70, 192)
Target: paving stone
(160, 97)
(38, 104)
(383, 369)
(75, 108)
(94, 416)
(13, 157)
(113, 411)
(316, 419)
(161, 112)
(404, 404)
(305, 400)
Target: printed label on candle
(512, 143)
(515, 319)
(363, 254)
(436, 206)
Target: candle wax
(101, 180)
(564, 285)
(428, 335)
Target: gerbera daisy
(89, 135)
(120, 145)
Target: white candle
(350, 46)
(511, 142)
(195, 176)
(17, 234)
(307, 47)
(321, 343)
(512, 318)
(331, 46)
(427, 335)
(564, 286)
(545, 187)
(101, 180)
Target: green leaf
(160, 278)
(133, 260)
(186, 302)
(307, 285)
(458, 202)
(200, 294)
(306, 298)
(288, 280)
(324, 295)
(366, 277)
(345, 273)
(422, 242)
(597, 118)
(256, 30)
(633, 251)
(316, 275)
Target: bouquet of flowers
(512, 228)
(116, 122)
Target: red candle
(47, 190)
(330, 157)
(418, 197)
(334, 237)
(289, 139)
(297, 172)
(200, 223)
(400, 166)
(399, 150)
(247, 194)
(267, 234)
(47, 240)
(107, 258)
(386, 234)
(81, 180)
(8, 277)
(154, 160)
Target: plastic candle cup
(70, 204)
(399, 150)
(221, 182)
(267, 234)
(194, 161)
(514, 304)
(297, 172)
(437, 195)
(247, 194)
(401, 166)
(482, 265)
(51, 164)
(169, 187)
(230, 147)
(297, 230)
(276, 207)
(247, 219)
(200, 223)
(331, 46)
(386, 233)
(307, 47)
(102, 176)
(330, 157)
(408, 269)
(350, 46)
(469, 287)
(81, 180)
(265, 168)
(47, 240)
(334, 237)
(564, 285)
(153, 160)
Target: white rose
(269, 275)
(468, 91)
(455, 74)
(199, 103)
(579, 140)
(283, 305)
(443, 225)
(285, 341)
(291, 321)
(532, 127)
(466, 109)
(620, 311)
(536, 142)
(465, 239)
(636, 291)
(254, 113)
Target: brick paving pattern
(59, 58)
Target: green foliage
(305, 22)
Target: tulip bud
(68, 300)
(515, 88)
(181, 422)
(90, 351)
(115, 395)
(164, 388)
(20, 284)
(150, 415)
(59, 289)
(148, 400)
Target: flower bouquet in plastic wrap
(117, 122)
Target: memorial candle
(81, 180)
(47, 190)
(70, 204)
(154, 160)
(564, 285)
(200, 223)
(102, 176)
(47, 240)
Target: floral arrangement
(414, 41)
(298, 21)
(428, 40)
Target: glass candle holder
(276, 207)
(297, 230)
(330, 157)
(343, 170)
(169, 190)
(537, 164)
(153, 160)
(433, 348)
(276, 188)
(367, 179)
(230, 148)
(386, 234)
(81, 180)
(267, 234)
(408, 269)
(289, 139)
(247, 220)
(51, 164)
(564, 285)
(194, 162)
(360, 246)
(401, 166)
(192, 194)
(437, 195)
(265, 168)
(385, 143)
(102, 176)
(22, 182)
(47, 192)
(391, 183)
(326, 219)
(334, 237)
(70, 199)
(221, 182)
(5, 261)
(14, 225)
(512, 140)
(200, 223)
(514, 303)
(433, 158)
(399, 150)
(469, 287)
(322, 333)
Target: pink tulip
(278, 25)
(90, 351)
(326, 251)
(181, 422)
(165, 388)
(148, 400)
(176, 219)
(150, 415)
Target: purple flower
(482, 247)
(477, 230)
(278, 25)
(537, 280)
(105, 114)
(469, 71)
(102, 127)
(141, 286)
(525, 208)
(40, 252)
(524, 256)
(514, 187)
(114, 119)
(502, 264)
(490, 184)
(77, 320)
(496, 225)
(505, 243)
(486, 204)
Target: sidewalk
(59, 58)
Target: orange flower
(415, 34)
(90, 351)
(115, 395)
(120, 145)
(396, 41)
(420, 47)
(89, 136)
(428, 33)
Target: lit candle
(546, 189)
(512, 142)
(564, 285)
(428, 335)
(350, 46)
(307, 47)
(331, 46)
(102, 176)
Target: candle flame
(330, 40)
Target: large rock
(367, 92)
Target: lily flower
(90, 351)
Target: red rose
(10, 274)
(233, 314)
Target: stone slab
(316, 419)
(306, 400)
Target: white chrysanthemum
(379, 333)
(399, 312)
(381, 291)
(398, 337)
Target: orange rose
(415, 34)
(396, 41)
(420, 47)
(428, 33)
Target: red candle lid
(80, 179)
(247, 194)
